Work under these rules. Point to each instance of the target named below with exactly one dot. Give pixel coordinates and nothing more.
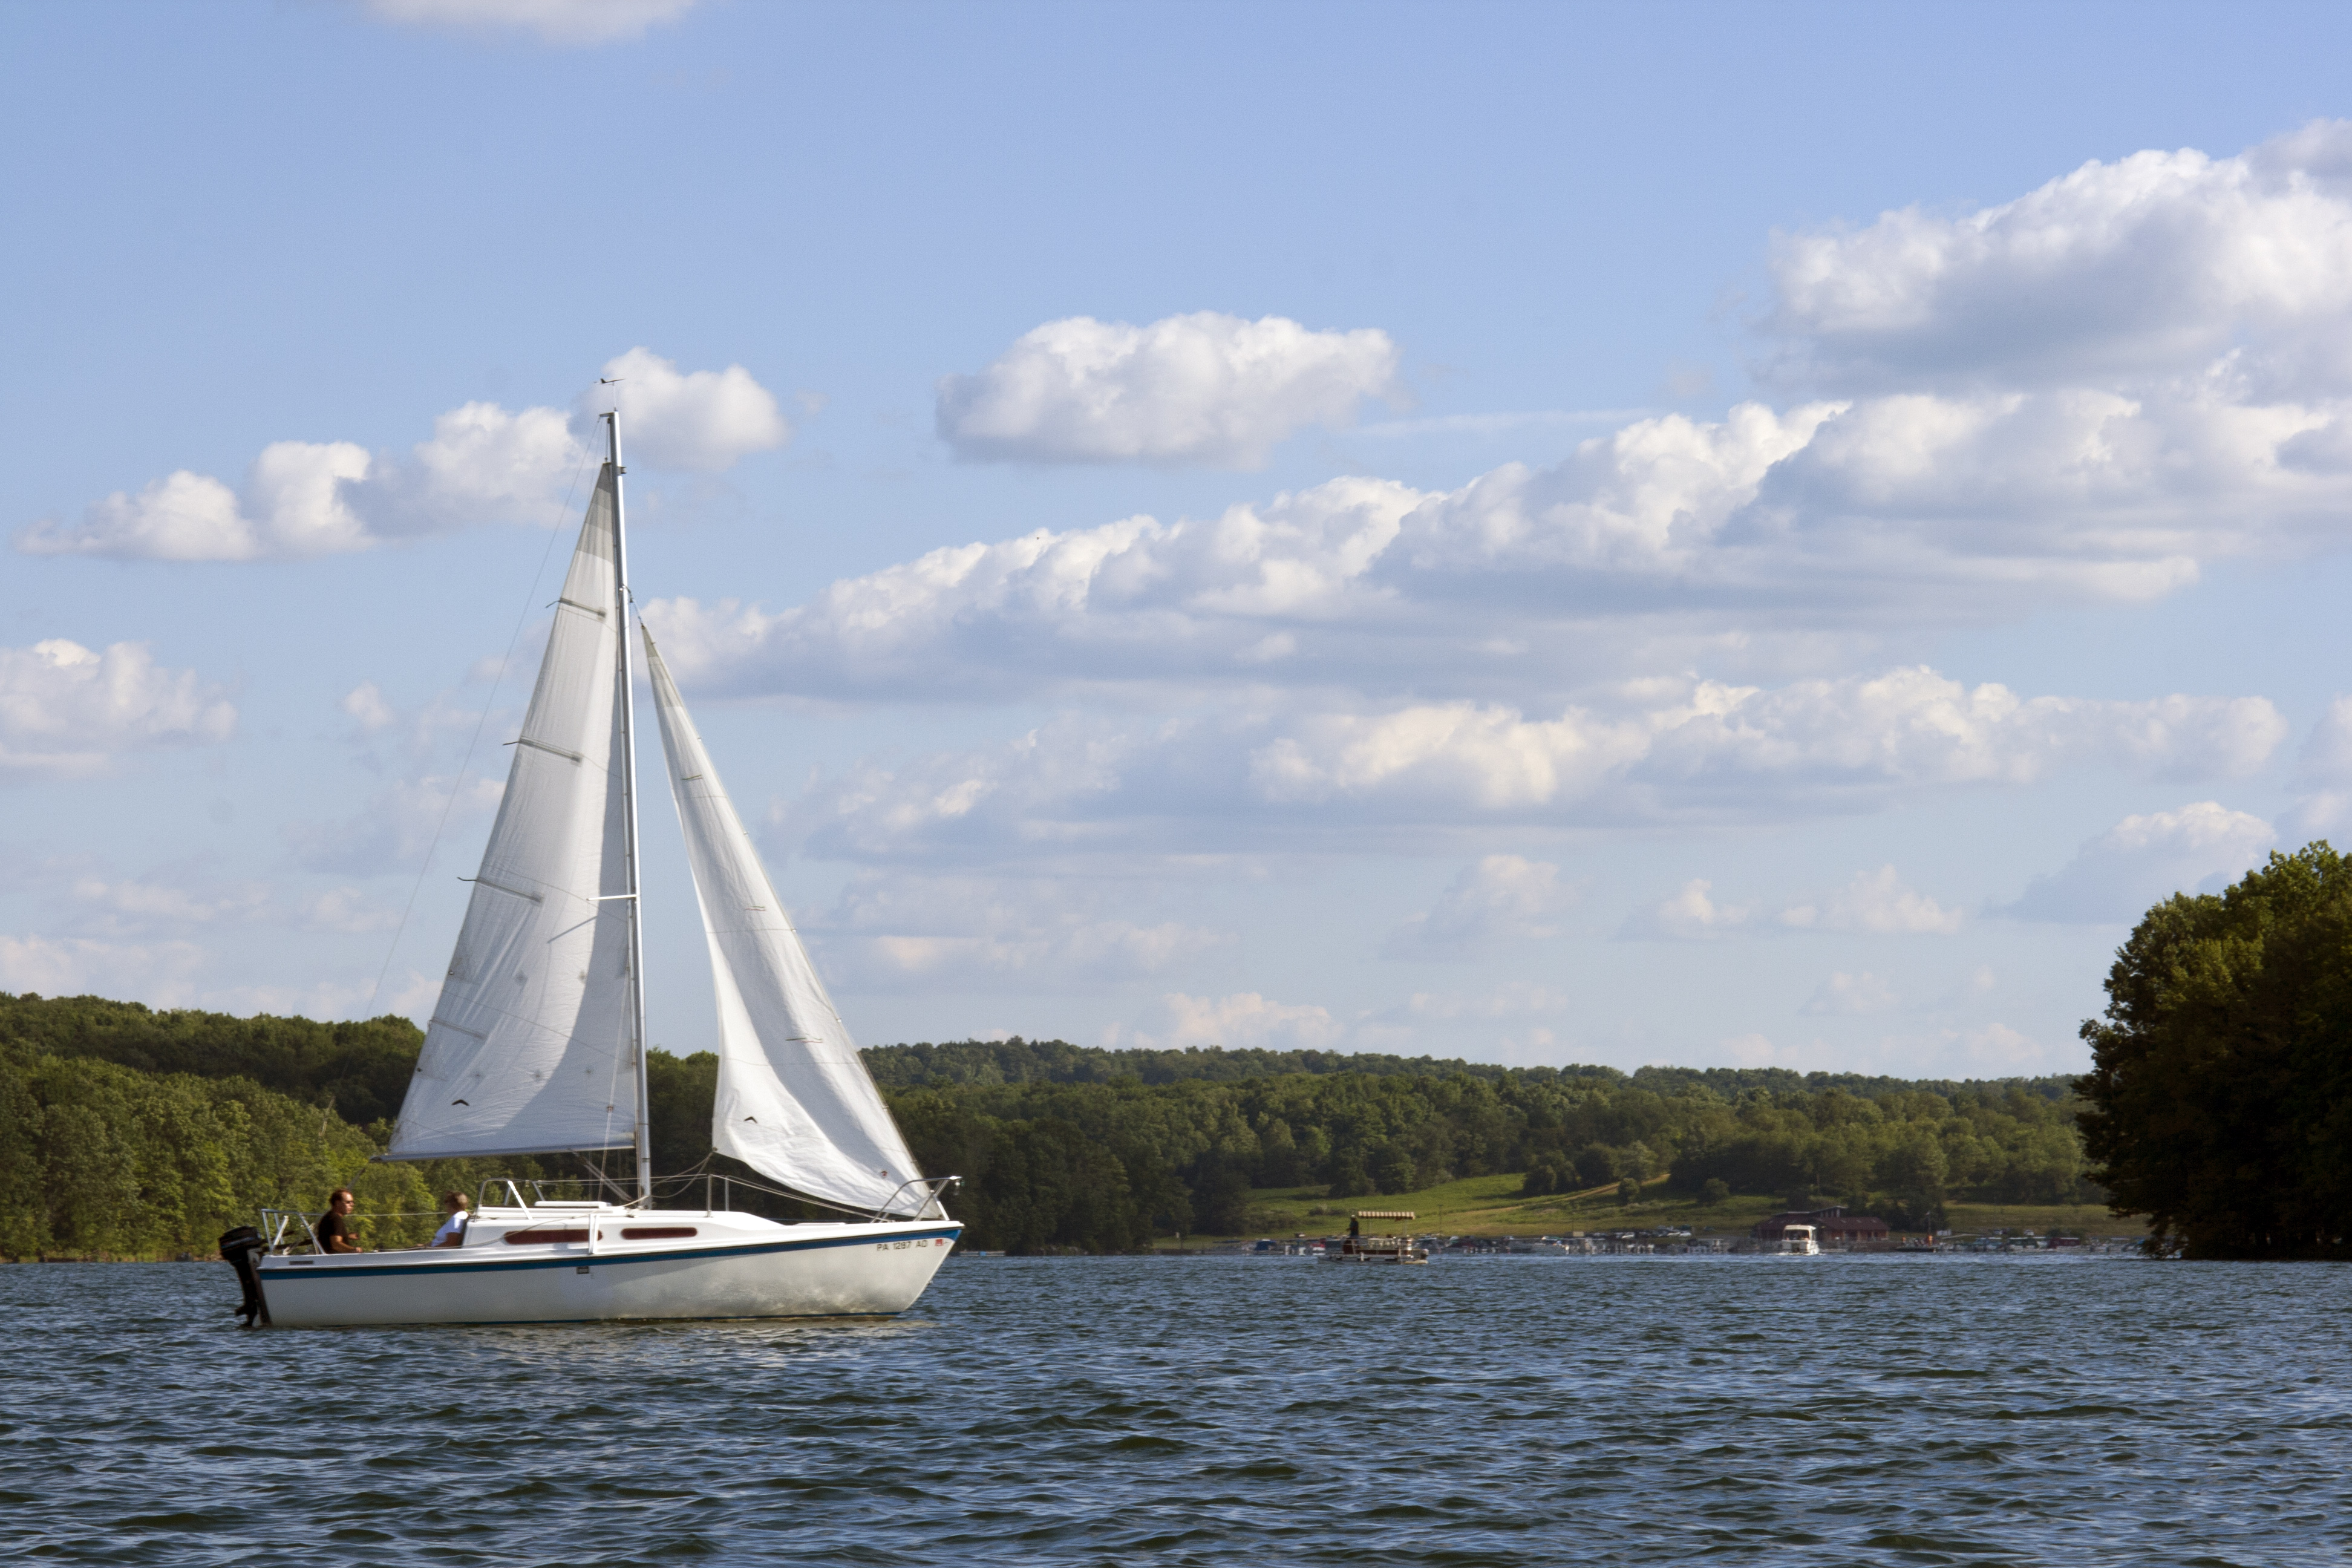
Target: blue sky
(1536, 534)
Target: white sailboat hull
(737, 1266)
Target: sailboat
(537, 1046)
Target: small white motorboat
(1798, 1241)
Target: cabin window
(542, 1238)
(655, 1232)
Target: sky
(1728, 536)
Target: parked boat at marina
(1797, 1241)
(1362, 1248)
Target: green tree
(1222, 1202)
(1713, 1192)
(1392, 1169)
(2219, 1097)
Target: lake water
(1503, 1411)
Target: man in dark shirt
(334, 1232)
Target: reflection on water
(1895, 1410)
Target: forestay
(794, 1100)
(529, 1048)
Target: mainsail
(794, 1100)
(529, 1048)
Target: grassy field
(1491, 1206)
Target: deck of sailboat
(585, 1263)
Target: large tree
(2221, 1093)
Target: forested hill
(121, 1129)
(974, 1064)
(957, 1064)
(1730, 1083)
(361, 1068)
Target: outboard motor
(242, 1249)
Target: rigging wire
(457, 785)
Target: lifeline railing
(935, 1188)
(275, 1223)
(718, 1193)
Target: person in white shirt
(452, 1229)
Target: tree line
(102, 1160)
(130, 1132)
(1100, 1166)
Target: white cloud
(1951, 503)
(92, 901)
(1202, 389)
(1690, 915)
(292, 505)
(906, 932)
(1765, 537)
(414, 998)
(2326, 757)
(2114, 877)
(1679, 752)
(704, 420)
(1496, 898)
(1645, 499)
(66, 711)
(2323, 770)
(1988, 1050)
(132, 906)
(1232, 597)
(1843, 994)
(1243, 1020)
(1875, 902)
(483, 464)
(313, 999)
(1906, 727)
(1518, 999)
(367, 708)
(160, 973)
(570, 22)
(1754, 1050)
(2179, 394)
(1461, 1022)
(2137, 268)
(1039, 790)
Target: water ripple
(1489, 1412)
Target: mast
(629, 811)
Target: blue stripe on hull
(284, 1273)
